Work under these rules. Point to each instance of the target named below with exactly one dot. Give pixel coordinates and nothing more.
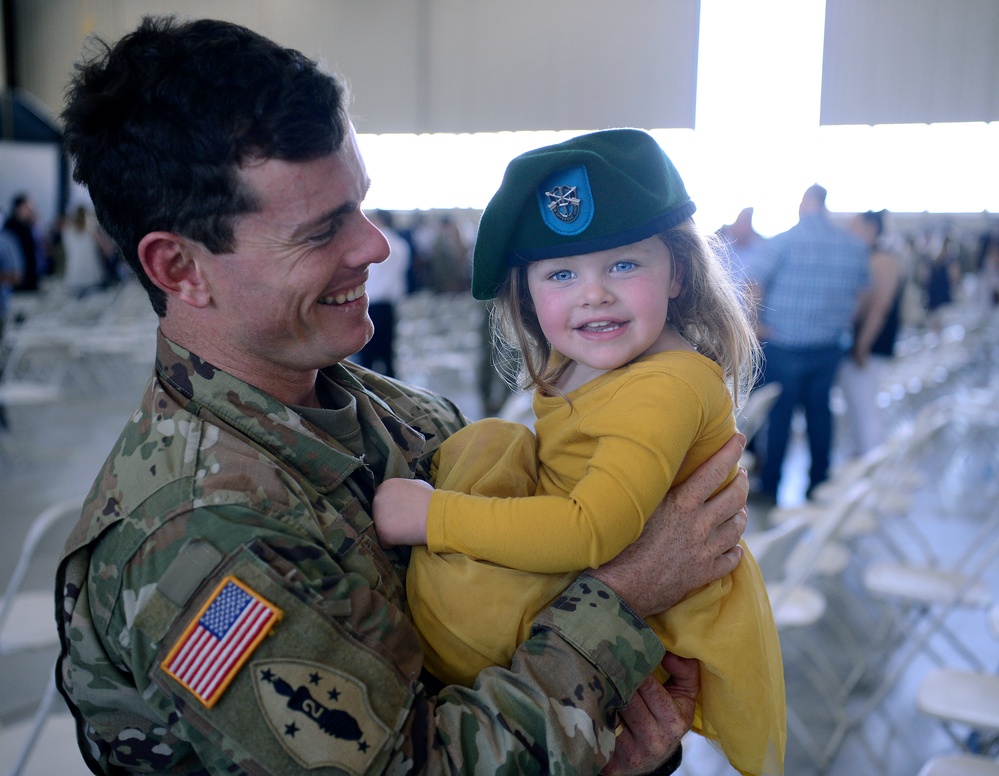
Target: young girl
(635, 341)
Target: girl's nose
(596, 293)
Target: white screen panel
(910, 61)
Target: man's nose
(376, 244)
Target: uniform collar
(205, 389)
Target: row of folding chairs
(863, 588)
(55, 340)
(966, 704)
(38, 739)
(930, 363)
(57, 346)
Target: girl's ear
(677, 285)
(172, 263)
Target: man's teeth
(349, 296)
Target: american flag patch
(220, 640)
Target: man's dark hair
(158, 124)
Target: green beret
(594, 192)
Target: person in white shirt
(385, 287)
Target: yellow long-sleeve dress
(515, 518)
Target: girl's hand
(400, 511)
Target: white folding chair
(960, 765)
(753, 414)
(772, 548)
(929, 598)
(87, 341)
(23, 607)
(27, 621)
(31, 374)
(969, 699)
(894, 473)
(798, 606)
(961, 698)
(918, 590)
(846, 517)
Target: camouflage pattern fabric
(218, 504)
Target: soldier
(223, 604)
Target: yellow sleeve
(640, 434)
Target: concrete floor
(51, 452)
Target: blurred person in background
(22, 223)
(940, 276)
(806, 283)
(742, 241)
(387, 285)
(11, 270)
(875, 329)
(988, 268)
(85, 268)
(450, 258)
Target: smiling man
(289, 298)
(223, 604)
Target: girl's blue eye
(561, 276)
(623, 266)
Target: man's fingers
(727, 534)
(706, 478)
(731, 530)
(732, 497)
(655, 717)
(652, 725)
(684, 675)
(726, 562)
(684, 683)
(725, 542)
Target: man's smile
(344, 296)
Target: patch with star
(320, 716)
(220, 639)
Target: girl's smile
(603, 310)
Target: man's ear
(173, 263)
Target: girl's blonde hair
(710, 312)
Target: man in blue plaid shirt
(807, 282)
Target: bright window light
(749, 67)
(423, 172)
(762, 58)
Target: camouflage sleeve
(327, 679)
(554, 710)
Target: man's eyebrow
(329, 216)
(302, 230)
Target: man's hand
(656, 719)
(400, 510)
(691, 539)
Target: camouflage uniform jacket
(224, 606)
